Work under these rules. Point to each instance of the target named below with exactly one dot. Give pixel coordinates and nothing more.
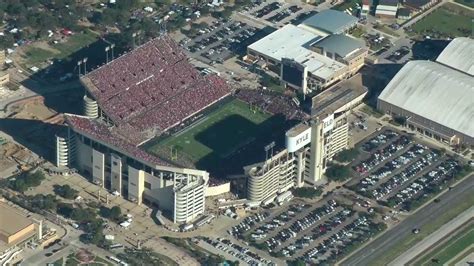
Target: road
(430, 212)
(434, 237)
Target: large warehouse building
(309, 146)
(436, 98)
(312, 55)
(140, 95)
(15, 229)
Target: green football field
(220, 133)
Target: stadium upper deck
(153, 87)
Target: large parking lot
(396, 170)
(316, 233)
(221, 40)
(278, 14)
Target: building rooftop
(293, 42)
(331, 101)
(459, 54)
(404, 12)
(435, 92)
(296, 130)
(416, 3)
(331, 21)
(287, 42)
(11, 220)
(340, 44)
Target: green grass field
(469, 3)
(35, 56)
(450, 249)
(449, 20)
(221, 132)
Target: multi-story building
(313, 55)
(310, 145)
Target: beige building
(308, 61)
(15, 229)
(138, 176)
(309, 146)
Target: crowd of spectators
(154, 86)
(101, 132)
(272, 103)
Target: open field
(38, 53)
(449, 20)
(447, 251)
(469, 3)
(231, 125)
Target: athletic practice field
(220, 134)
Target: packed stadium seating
(153, 86)
(100, 132)
(271, 103)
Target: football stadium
(154, 127)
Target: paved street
(388, 240)
(434, 237)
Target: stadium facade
(140, 95)
(308, 58)
(309, 145)
(436, 98)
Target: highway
(370, 253)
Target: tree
(66, 191)
(43, 202)
(27, 180)
(65, 209)
(115, 213)
(83, 215)
(298, 262)
(307, 192)
(347, 155)
(338, 173)
(401, 120)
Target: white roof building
(294, 42)
(435, 93)
(459, 54)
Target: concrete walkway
(434, 238)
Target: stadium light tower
(112, 46)
(134, 37)
(268, 148)
(85, 65)
(79, 66)
(107, 54)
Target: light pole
(112, 46)
(85, 65)
(107, 54)
(133, 37)
(79, 66)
